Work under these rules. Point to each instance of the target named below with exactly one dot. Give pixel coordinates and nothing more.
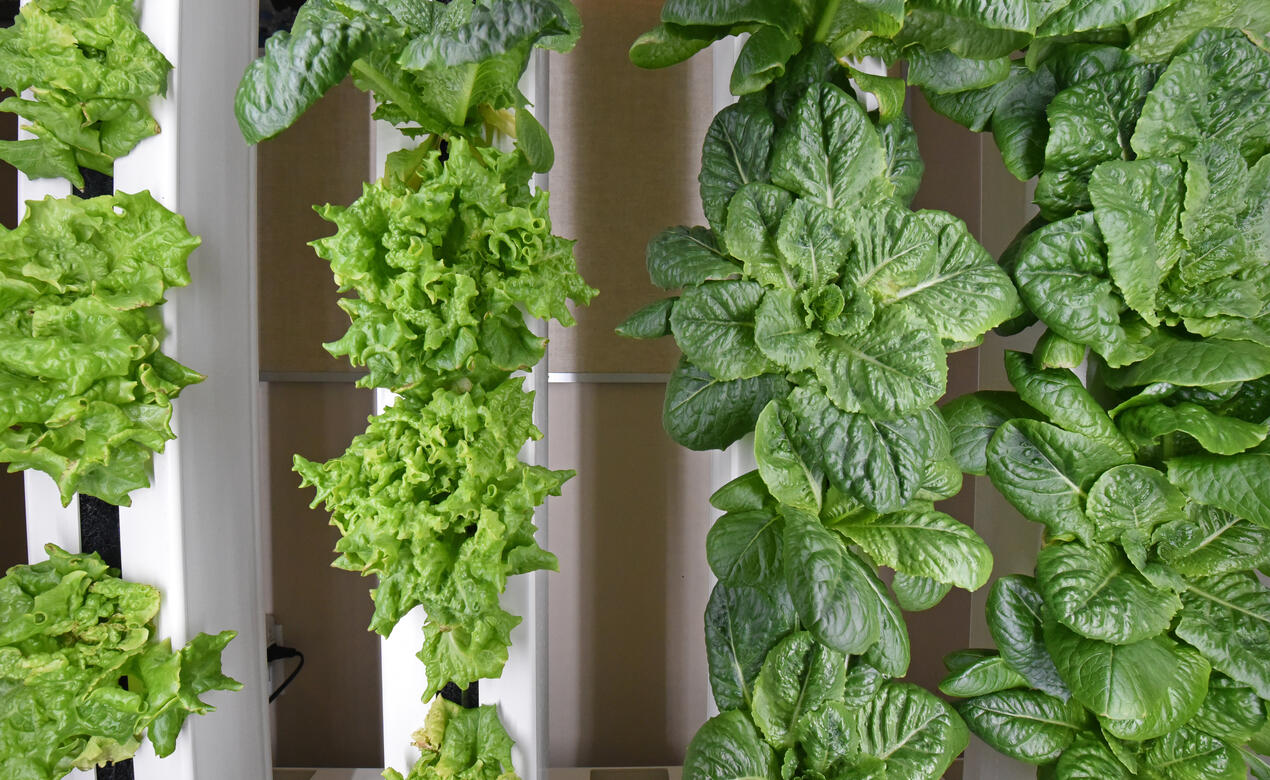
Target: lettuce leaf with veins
(83, 676)
(443, 256)
(85, 394)
(433, 501)
(92, 73)
(461, 744)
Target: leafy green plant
(86, 391)
(83, 676)
(91, 73)
(1137, 650)
(448, 253)
(816, 310)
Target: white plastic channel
(194, 534)
(521, 693)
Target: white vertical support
(195, 534)
(521, 693)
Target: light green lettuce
(83, 676)
(461, 744)
(85, 393)
(91, 72)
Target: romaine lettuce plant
(1138, 649)
(817, 310)
(83, 676)
(448, 253)
(91, 73)
(86, 392)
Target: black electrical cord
(280, 653)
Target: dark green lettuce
(86, 393)
(84, 677)
(91, 72)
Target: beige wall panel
(323, 158)
(330, 715)
(628, 149)
(628, 678)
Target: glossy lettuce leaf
(703, 413)
(439, 287)
(729, 747)
(86, 393)
(433, 500)
(93, 73)
(798, 676)
(1016, 618)
(1029, 726)
(924, 543)
(1211, 541)
(973, 418)
(84, 676)
(742, 624)
(918, 734)
(1227, 617)
(470, 744)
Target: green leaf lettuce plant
(84, 677)
(91, 73)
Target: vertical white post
(521, 693)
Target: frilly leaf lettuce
(463, 744)
(92, 72)
(71, 634)
(442, 256)
(433, 501)
(86, 392)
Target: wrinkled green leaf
(1227, 618)
(1016, 619)
(1028, 726)
(742, 625)
(703, 413)
(916, 734)
(798, 676)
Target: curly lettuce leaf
(83, 676)
(92, 72)
(461, 744)
(87, 395)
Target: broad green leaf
(650, 322)
(926, 544)
(1153, 686)
(881, 17)
(1137, 205)
(714, 326)
(728, 747)
(1161, 34)
(1089, 759)
(944, 72)
(744, 548)
(300, 66)
(1059, 396)
(793, 479)
(798, 676)
(973, 418)
(1194, 363)
(722, 13)
(1015, 619)
(863, 684)
(825, 735)
(1227, 618)
(487, 32)
(1220, 90)
(1130, 500)
(932, 24)
(1017, 15)
(964, 294)
(1211, 541)
(895, 368)
(742, 494)
(1029, 726)
(742, 625)
(1097, 593)
(830, 152)
(1234, 483)
(667, 45)
(737, 151)
(904, 166)
(1218, 434)
(891, 654)
(1231, 711)
(1062, 277)
(1187, 754)
(1054, 351)
(1083, 15)
(832, 600)
(762, 58)
(895, 249)
(781, 332)
(533, 141)
(702, 413)
(916, 734)
(814, 242)
(917, 594)
(989, 674)
(890, 93)
(684, 256)
(753, 217)
(1089, 124)
(880, 462)
(1046, 473)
